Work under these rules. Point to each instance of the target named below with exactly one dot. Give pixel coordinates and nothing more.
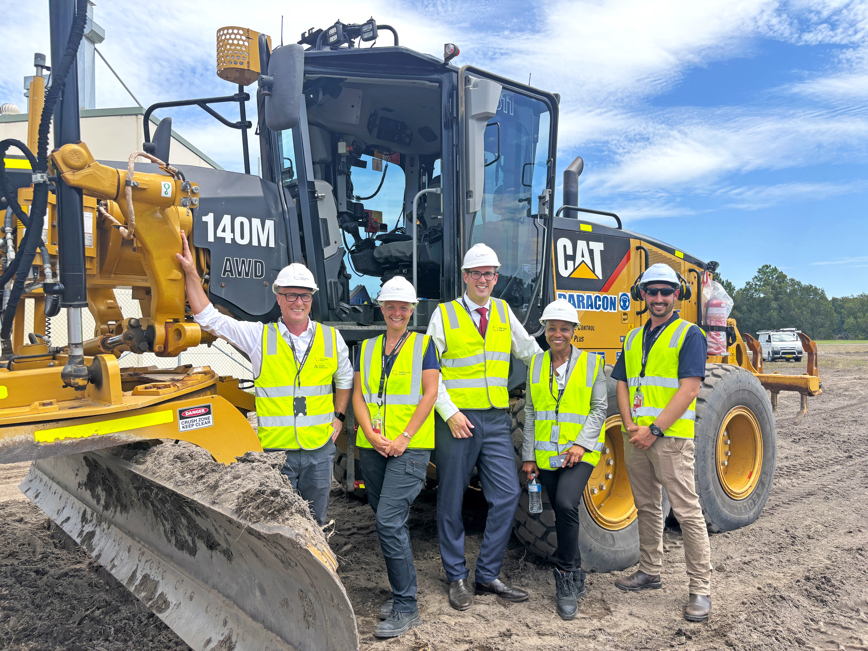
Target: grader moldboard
(477, 153)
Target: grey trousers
(310, 473)
(392, 484)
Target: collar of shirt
(475, 306)
(675, 315)
(311, 324)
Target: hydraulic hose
(27, 250)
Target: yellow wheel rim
(608, 497)
(739, 453)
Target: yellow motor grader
(478, 157)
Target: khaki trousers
(668, 463)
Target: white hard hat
(659, 273)
(295, 275)
(398, 289)
(560, 310)
(480, 255)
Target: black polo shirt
(691, 357)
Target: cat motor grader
(477, 160)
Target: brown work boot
(639, 581)
(698, 607)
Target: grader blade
(217, 579)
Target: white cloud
(759, 197)
(857, 261)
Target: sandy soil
(797, 578)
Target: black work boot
(579, 584)
(386, 608)
(566, 594)
(397, 624)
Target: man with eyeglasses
(475, 336)
(659, 374)
(295, 362)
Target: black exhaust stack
(571, 186)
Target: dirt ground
(796, 578)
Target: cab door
(508, 144)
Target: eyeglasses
(653, 291)
(292, 298)
(488, 275)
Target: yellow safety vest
(661, 377)
(402, 390)
(574, 408)
(279, 384)
(475, 372)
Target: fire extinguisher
(715, 315)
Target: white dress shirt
(523, 346)
(247, 336)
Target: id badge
(299, 406)
(556, 433)
(377, 425)
(557, 462)
(637, 403)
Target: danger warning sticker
(191, 418)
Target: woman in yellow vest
(565, 409)
(396, 381)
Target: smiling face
(479, 289)
(397, 315)
(294, 312)
(558, 335)
(660, 306)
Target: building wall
(112, 134)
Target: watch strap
(341, 416)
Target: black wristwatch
(656, 431)
(341, 416)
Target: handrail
(593, 212)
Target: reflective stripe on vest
(476, 372)
(575, 406)
(402, 390)
(276, 391)
(661, 377)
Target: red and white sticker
(197, 417)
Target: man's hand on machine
(460, 426)
(186, 258)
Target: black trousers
(564, 487)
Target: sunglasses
(653, 291)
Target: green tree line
(772, 300)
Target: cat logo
(584, 260)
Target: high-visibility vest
(402, 390)
(277, 388)
(570, 417)
(660, 383)
(475, 371)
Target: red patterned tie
(483, 320)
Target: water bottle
(534, 494)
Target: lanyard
(388, 361)
(551, 382)
(646, 349)
(298, 366)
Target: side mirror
(282, 87)
(481, 97)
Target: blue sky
(736, 130)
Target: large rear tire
(608, 531)
(736, 447)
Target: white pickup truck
(781, 344)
